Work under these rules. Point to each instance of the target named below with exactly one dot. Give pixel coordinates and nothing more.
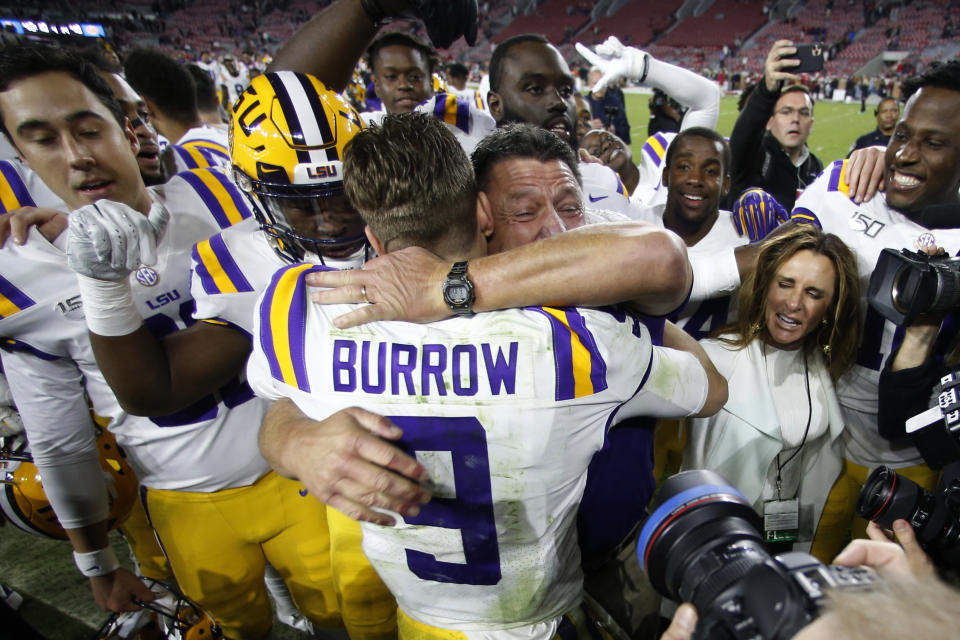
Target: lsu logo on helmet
(22, 498)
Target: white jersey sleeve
(20, 186)
(52, 372)
(692, 90)
(51, 400)
(505, 409)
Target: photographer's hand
(889, 559)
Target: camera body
(905, 284)
(703, 544)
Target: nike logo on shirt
(597, 199)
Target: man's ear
(131, 136)
(769, 123)
(495, 105)
(484, 214)
(725, 189)
(665, 179)
(374, 241)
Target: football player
(232, 79)
(288, 139)
(921, 169)
(505, 408)
(66, 124)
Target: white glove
(616, 61)
(107, 240)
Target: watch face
(457, 294)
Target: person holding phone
(777, 119)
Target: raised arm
(330, 44)
(595, 265)
(617, 61)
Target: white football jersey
(20, 186)
(867, 229)
(232, 268)
(466, 117)
(700, 318)
(505, 410)
(202, 147)
(208, 446)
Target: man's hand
(446, 20)
(616, 61)
(107, 240)
(118, 590)
(890, 560)
(402, 285)
(16, 223)
(864, 173)
(777, 61)
(756, 213)
(345, 461)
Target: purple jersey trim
(17, 185)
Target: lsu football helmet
(177, 617)
(286, 145)
(22, 498)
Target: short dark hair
(457, 70)
(501, 52)
(206, 89)
(94, 55)
(398, 38)
(942, 75)
(412, 182)
(164, 81)
(24, 60)
(701, 132)
(520, 140)
(798, 88)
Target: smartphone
(810, 57)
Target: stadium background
(883, 39)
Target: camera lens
(701, 537)
(886, 497)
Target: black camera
(611, 111)
(703, 544)
(905, 284)
(887, 496)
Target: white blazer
(743, 439)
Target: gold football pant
(216, 544)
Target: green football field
(835, 125)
